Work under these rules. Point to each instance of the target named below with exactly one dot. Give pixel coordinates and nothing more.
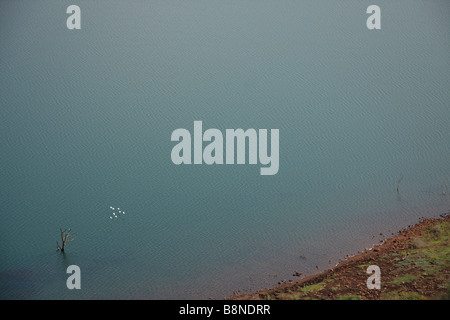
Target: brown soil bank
(415, 264)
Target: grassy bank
(414, 264)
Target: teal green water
(86, 119)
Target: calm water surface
(87, 117)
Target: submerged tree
(398, 183)
(66, 237)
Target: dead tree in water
(64, 239)
(398, 183)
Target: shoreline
(414, 265)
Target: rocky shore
(414, 265)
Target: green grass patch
(349, 297)
(313, 288)
(396, 295)
(334, 289)
(404, 279)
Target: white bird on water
(116, 215)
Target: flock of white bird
(116, 215)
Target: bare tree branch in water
(66, 237)
(398, 183)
